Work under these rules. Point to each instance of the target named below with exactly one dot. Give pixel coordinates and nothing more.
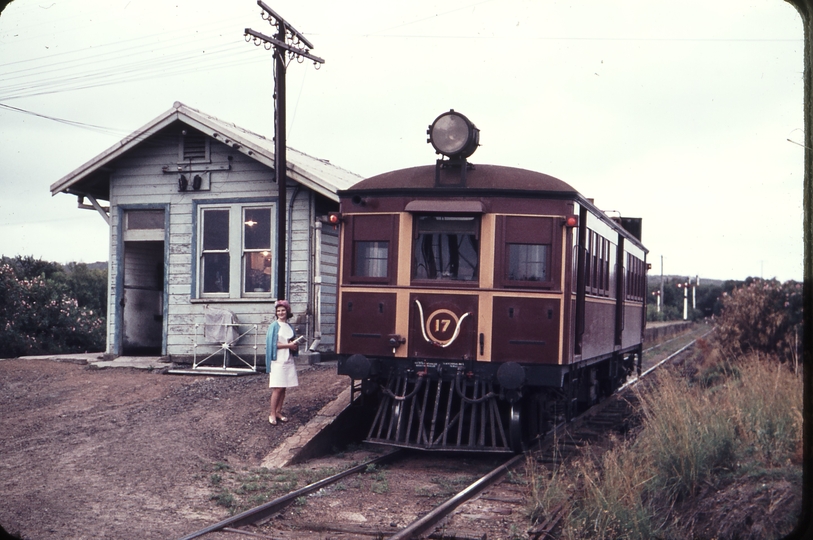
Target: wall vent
(194, 146)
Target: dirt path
(125, 453)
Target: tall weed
(765, 404)
(613, 503)
(745, 421)
(687, 436)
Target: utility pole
(288, 44)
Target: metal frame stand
(228, 352)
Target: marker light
(453, 135)
(334, 218)
(572, 221)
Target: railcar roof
(489, 180)
(478, 178)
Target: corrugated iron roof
(314, 173)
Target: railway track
(416, 528)
(565, 442)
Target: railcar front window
(371, 259)
(527, 262)
(446, 248)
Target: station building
(192, 207)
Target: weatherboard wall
(138, 181)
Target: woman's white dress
(283, 369)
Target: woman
(279, 360)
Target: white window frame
(236, 250)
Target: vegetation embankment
(719, 450)
(49, 308)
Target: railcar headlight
(453, 135)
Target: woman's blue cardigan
(271, 338)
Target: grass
(735, 419)
(444, 487)
(241, 490)
(378, 479)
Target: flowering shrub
(38, 315)
(762, 316)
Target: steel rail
(668, 358)
(256, 514)
(430, 520)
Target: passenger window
(446, 248)
(371, 249)
(371, 259)
(527, 262)
(524, 252)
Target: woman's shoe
(272, 421)
(283, 418)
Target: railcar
(480, 304)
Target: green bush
(762, 316)
(40, 312)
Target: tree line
(50, 308)
(753, 315)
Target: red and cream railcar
(478, 304)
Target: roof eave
(83, 171)
(208, 125)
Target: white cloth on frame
(216, 327)
(283, 369)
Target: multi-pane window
(235, 248)
(527, 262)
(256, 250)
(215, 255)
(371, 249)
(588, 260)
(636, 278)
(598, 253)
(371, 259)
(446, 248)
(524, 252)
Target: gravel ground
(126, 453)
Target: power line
(73, 123)
(146, 69)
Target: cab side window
(524, 252)
(370, 249)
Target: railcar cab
(465, 291)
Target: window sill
(445, 283)
(224, 300)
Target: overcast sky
(675, 112)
